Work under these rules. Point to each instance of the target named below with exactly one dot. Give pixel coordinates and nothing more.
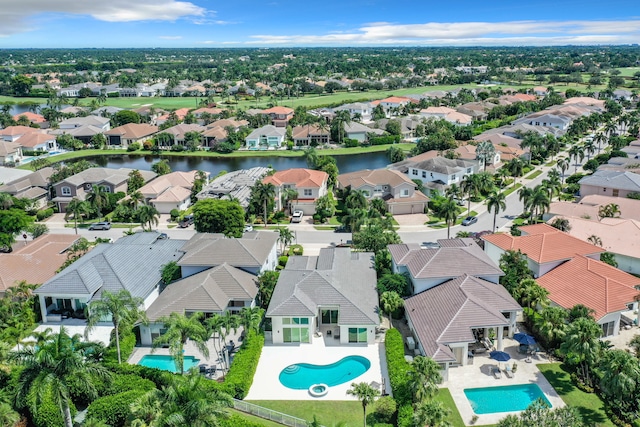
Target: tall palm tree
(250, 317)
(454, 191)
(285, 237)
(471, 185)
(515, 168)
(264, 193)
(354, 219)
(576, 152)
(424, 378)
(581, 345)
(98, 198)
(182, 403)
(563, 165)
(552, 324)
(620, 377)
(390, 302)
(532, 295)
(179, 329)
(355, 200)
(496, 202)
(288, 195)
(365, 394)
(448, 210)
(124, 310)
(599, 138)
(78, 208)
(589, 148)
(50, 369)
(148, 215)
(540, 202)
(485, 152)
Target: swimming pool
(166, 363)
(489, 400)
(301, 376)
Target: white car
(297, 216)
(247, 228)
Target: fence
(269, 414)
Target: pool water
(301, 376)
(166, 363)
(509, 398)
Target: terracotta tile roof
(278, 110)
(35, 262)
(593, 283)
(300, 177)
(437, 110)
(32, 117)
(33, 139)
(133, 130)
(396, 100)
(17, 130)
(173, 194)
(306, 131)
(543, 243)
(373, 177)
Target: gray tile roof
(446, 261)
(236, 184)
(339, 278)
(250, 251)
(111, 176)
(613, 179)
(268, 130)
(437, 164)
(132, 263)
(207, 291)
(447, 313)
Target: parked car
(470, 220)
(341, 229)
(186, 221)
(163, 236)
(297, 216)
(106, 225)
(247, 228)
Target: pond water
(345, 163)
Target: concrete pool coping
(489, 397)
(478, 375)
(274, 358)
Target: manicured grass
(589, 405)
(511, 189)
(255, 419)
(445, 397)
(533, 175)
(551, 163)
(323, 227)
(116, 225)
(327, 412)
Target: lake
(345, 163)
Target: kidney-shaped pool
(301, 376)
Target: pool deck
(274, 358)
(478, 374)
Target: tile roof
(250, 251)
(97, 121)
(133, 130)
(112, 176)
(373, 177)
(207, 291)
(40, 178)
(36, 262)
(592, 283)
(543, 243)
(18, 130)
(337, 277)
(278, 110)
(613, 179)
(299, 176)
(436, 164)
(80, 131)
(449, 312)
(32, 117)
(447, 261)
(268, 130)
(163, 182)
(33, 139)
(133, 263)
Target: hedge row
(127, 344)
(113, 410)
(240, 377)
(48, 413)
(399, 370)
(44, 213)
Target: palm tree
(599, 138)
(148, 214)
(576, 152)
(496, 202)
(594, 240)
(516, 168)
(620, 377)
(124, 310)
(563, 165)
(448, 210)
(288, 194)
(581, 345)
(485, 151)
(552, 324)
(589, 148)
(377, 207)
(41, 338)
(539, 201)
(355, 200)
(354, 219)
(471, 185)
(553, 183)
(8, 417)
(365, 394)
(50, 369)
(77, 208)
(424, 378)
(264, 193)
(454, 191)
(532, 295)
(6, 201)
(181, 328)
(250, 317)
(285, 237)
(182, 403)
(390, 302)
(431, 413)
(98, 198)
(215, 326)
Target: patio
(274, 358)
(101, 333)
(478, 373)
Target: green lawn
(254, 419)
(589, 405)
(533, 175)
(511, 189)
(327, 412)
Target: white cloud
(15, 14)
(170, 37)
(471, 33)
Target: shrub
(177, 148)
(573, 179)
(134, 147)
(44, 213)
(237, 421)
(128, 382)
(157, 376)
(127, 343)
(283, 260)
(384, 140)
(349, 143)
(113, 410)
(405, 415)
(397, 366)
(384, 409)
(295, 250)
(49, 414)
(174, 213)
(240, 376)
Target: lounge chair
(497, 373)
(508, 372)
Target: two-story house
(364, 109)
(309, 184)
(80, 185)
(96, 121)
(279, 115)
(268, 136)
(439, 171)
(396, 189)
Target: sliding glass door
(357, 335)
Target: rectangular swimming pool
(166, 363)
(489, 400)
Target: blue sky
(270, 23)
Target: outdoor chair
(508, 372)
(497, 373)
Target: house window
(404, 193)
(286, 186)
(295, 320)
(298, 331)
(106, 189)
(468, 170)
(615, 192)
(607, 328)
(414, 171)
(424, 174)
(66, 191)
(308, 192)
(366, 193)
(453, 177)
(378, 189)
(357, 335)
(329, 317)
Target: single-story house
(10, 153)
(125, 135)
(610, 183)
(34, 186)
(102, 123)
(332, 293)
(170, 191)
(234, 185)
(360, 132)
(13, 133)
(308, 183)
(37, 141)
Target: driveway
(411, 220)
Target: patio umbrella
(500, 356)
(524, 339)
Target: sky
(275, 23)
